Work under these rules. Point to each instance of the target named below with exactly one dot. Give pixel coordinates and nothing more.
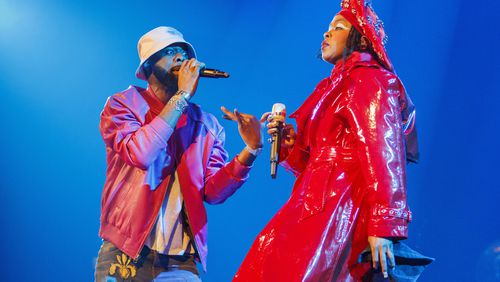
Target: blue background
(60, 60)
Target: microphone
(213, 73)
(278, 110)
(204, 72)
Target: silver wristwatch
(254, 152)
(186, 95)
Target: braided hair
(353, 44)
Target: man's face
(335, 39)
(166, 69)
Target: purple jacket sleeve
(374, 113)
(137, 143)
(223, 179)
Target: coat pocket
(316, 184)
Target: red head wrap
(362, 16)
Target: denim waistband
(184, 262)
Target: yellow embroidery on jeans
(125, 269)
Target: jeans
(113, 265)
(409, 265)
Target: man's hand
(288, 133)
(381, 253)
(248, 127)
(189, 74)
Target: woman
(355, 134)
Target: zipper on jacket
(143, 240)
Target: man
(165, 157)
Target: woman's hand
(248, 126)
(382, 253)
(288, 132)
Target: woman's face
(335, 39)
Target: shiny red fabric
(350, 164)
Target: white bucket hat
(157, 39)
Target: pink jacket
(142, 151)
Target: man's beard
(166, 78)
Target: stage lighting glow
(8, 16)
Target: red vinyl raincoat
(350, 163)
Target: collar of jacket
(356, 59)
(193, 111)
(341, 70)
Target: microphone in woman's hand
(278, 110)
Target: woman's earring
(363, 44)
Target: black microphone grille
(213, 73)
